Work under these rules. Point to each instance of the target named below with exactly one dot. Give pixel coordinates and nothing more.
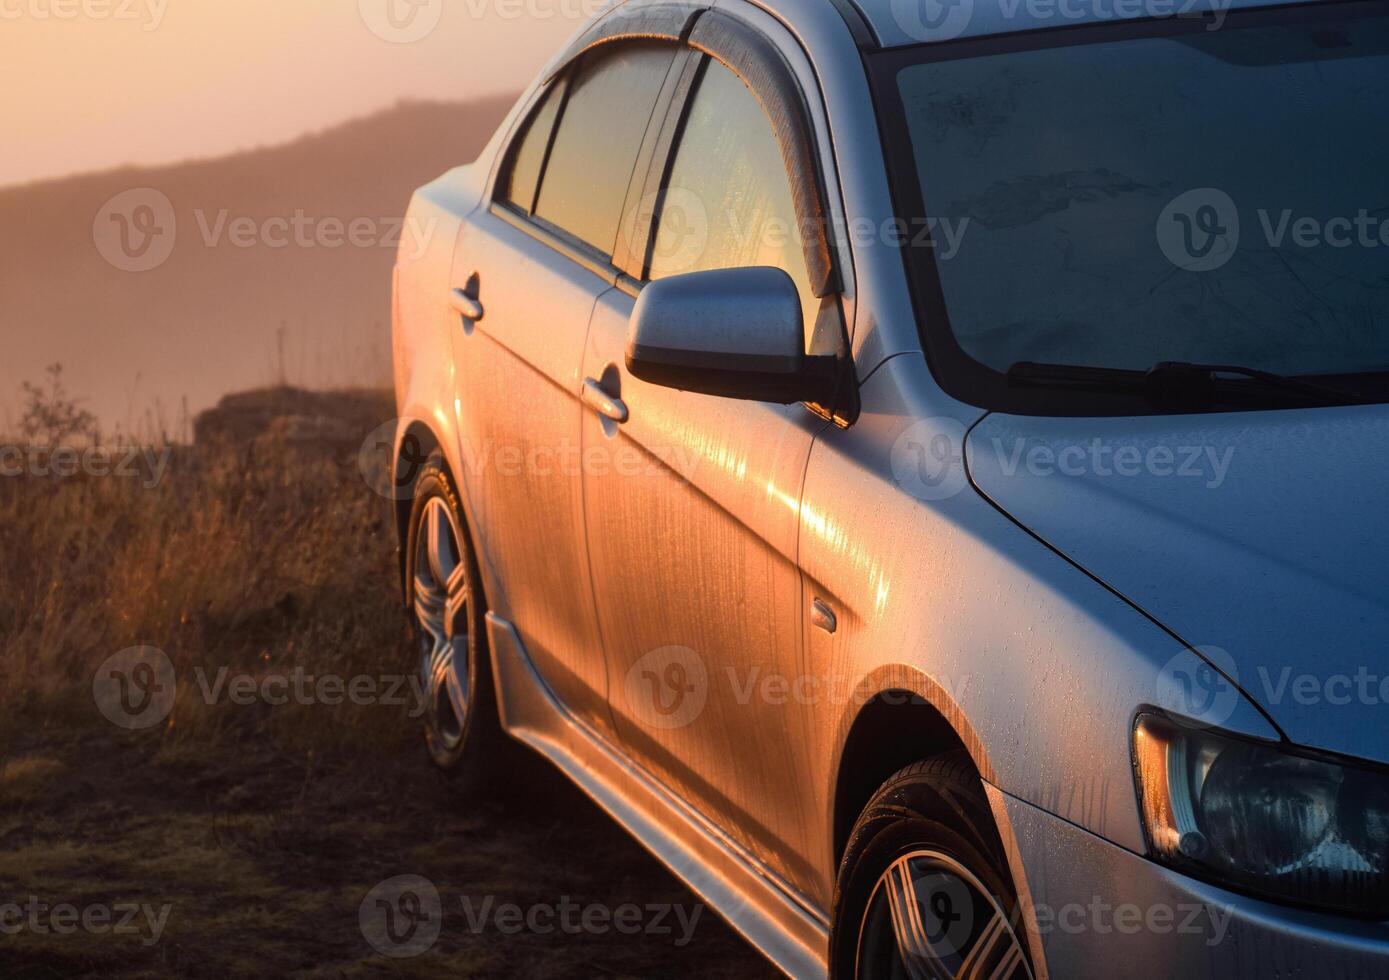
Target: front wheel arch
(892, 730)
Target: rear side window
(604, 120)
(528, 157)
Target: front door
(693, 503)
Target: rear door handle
(466, 306)
(465, 301)
(597, 398)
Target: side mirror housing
(734, 333)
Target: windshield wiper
(1180, 381)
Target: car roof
(896, 23)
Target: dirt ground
(263, 861)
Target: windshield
(1155, 193)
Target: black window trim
(750, 56)
(657, 22)
(701, 34)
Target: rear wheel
(924, 891)
(443, 588)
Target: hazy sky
(91, 84)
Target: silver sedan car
(919, 466)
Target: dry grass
(261, 559)
(262, 827)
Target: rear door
(528, 269)
(692, 501)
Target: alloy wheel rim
(441, 609)
(929, 918)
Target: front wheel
(447, 610)
(923, 889)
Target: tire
(930, 832)
(461, 728)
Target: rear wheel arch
(416, 443)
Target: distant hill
(215, 318)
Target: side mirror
(735, 333)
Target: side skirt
(749, 896)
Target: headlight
(1257, 818)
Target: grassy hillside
(209, 320)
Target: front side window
(1150, 195)
(727, 202)
(601, 127)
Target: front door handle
(598, 399)
(465, 301)
(823, 617)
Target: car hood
(1260, 538)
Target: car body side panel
(422, 320)
(692, 525)
(1047, 665)
(517, 401)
